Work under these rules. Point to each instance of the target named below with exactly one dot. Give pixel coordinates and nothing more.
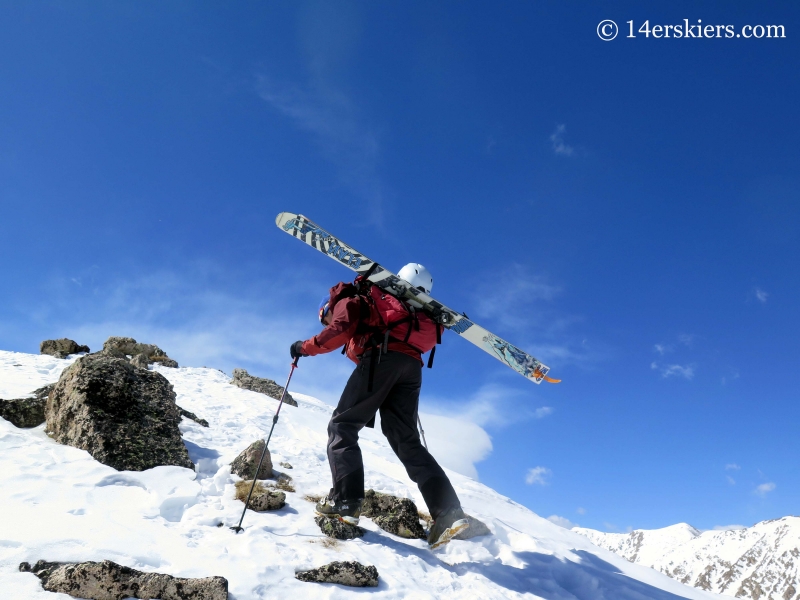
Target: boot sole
(450, 533)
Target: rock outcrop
(141, 355)
(263, 498)
(398, 516)
(338, 530)
(109, 581)
(349, 573)
(124, 417)
(193, 417)
(245, 464)
(26, 412)
(244, 380)
(61, 348)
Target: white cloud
(687, 372)
(728, 527)
(559, 146)
(732, 467)
(661, 349)
(538, 476)
(580, 511)
(764, 489)
(761, 295)
(562, 522)
(542, 412)
(449, 449)
(730, 479)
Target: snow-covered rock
(760, 562)
(59, 504)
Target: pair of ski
(313, 235)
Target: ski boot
(347, 511)
(448, 525)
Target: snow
(726, 561)
(59, 504)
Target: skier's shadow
(544, 575)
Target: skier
(387, 379)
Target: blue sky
(627, 211)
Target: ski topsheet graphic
(312, 234)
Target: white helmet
(418, 276)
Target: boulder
(476, 528)
(245, 464)
(109, 581)
(244, 380)
(193, 417)
(338, 530)
(398, 516)
(344, 573)
(26, 412)
(61, 348)
(164, 361)
(263, 498)
(126, 346)
(124, 417)
(140, 360)
(141, 355)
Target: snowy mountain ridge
(760, 562)
(59, 504)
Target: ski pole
(239, 528)
(422, 431)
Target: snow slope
(59, 504)
(760, 562)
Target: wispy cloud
(562, 522)
(687, 338)
(491, 405)
(335, 124)
(560, 147)
(729, 527)
(521, 306)
(761, 295)
(662, 349)
(732, 467)
(730, 479)
(764, 489)
(687, 372)
(580, 510)
(538, 476)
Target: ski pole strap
(430, 357)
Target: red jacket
(347, 314)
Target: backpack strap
(433, 350)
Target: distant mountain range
(760, 562)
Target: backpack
(386, 318)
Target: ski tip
(281, 218)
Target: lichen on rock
(244, 380)
(334, 528)
(61, 348)
(110, 581)
(350, 573)
(26, 412)
(245, 464)
(398, 516)
(124, 417)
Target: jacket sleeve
(343, 327)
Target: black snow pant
(397, 380)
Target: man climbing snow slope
(386, 338)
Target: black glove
(296, 349)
